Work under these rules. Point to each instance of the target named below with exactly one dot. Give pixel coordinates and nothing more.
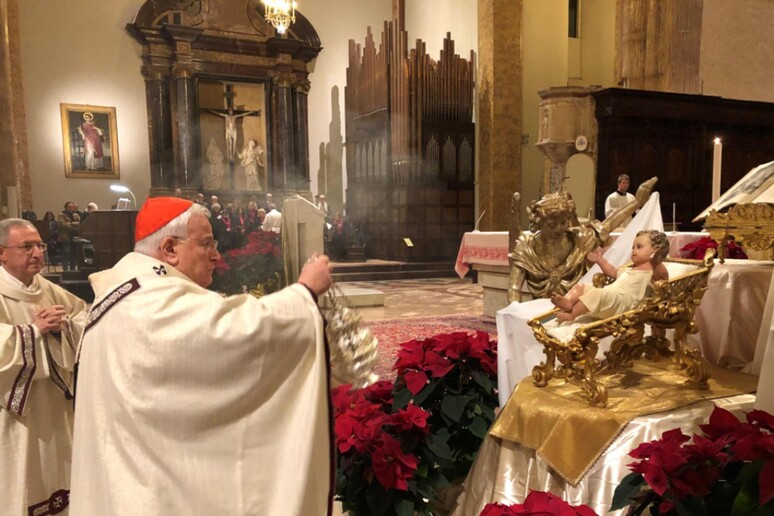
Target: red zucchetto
(156, 213)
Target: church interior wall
(77, 52)
(545, 50)
(736, 59)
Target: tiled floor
(422, 297)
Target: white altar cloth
(483, 247)
(506, 472)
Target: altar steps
(377, 270)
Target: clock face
(581, 143)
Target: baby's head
(650, 245)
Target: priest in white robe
(191, 403)
(620, 198)
(40, 324)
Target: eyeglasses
(210, 245)
(27, 248)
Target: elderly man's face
(196, 254)
(21, 264)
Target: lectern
(302, 234)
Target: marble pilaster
(14, 156)
(499, 102)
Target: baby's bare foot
(565, 317)
(561, 302)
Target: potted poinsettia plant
(538, 503)
(255, 266)
(727, 471)
(399, 444)
(453, 377)
(383, 464)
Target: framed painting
(90, 141)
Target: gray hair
(623, 177)
(8, 224)
(177, 227)
(658, 240)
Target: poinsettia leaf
(691, 506)
(766, 483)
(479, 427)
(482, 379)
(626, 490)
(453, 407)
(439, 446)
(378, 499)
(422, 395)
(401, 399)
(745, 501)
(403, 507)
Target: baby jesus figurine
(630, 285)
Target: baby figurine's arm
(595, 256)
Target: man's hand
(49, 319)
(316, 274)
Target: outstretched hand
(316, 274)
(595, 255)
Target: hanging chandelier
(280, 13)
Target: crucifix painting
(233, 136)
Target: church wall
(736, 58)
(431, 20)
(545, 51)
(336, 22)
(597, 40)
(78, 52)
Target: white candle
(674, 216)
(716, 161)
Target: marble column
(160, 129)
(499, 104)
(186, 123)
(301, 116)
(14, 156)
(284, 174)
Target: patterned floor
(416, 309)
(423, 297)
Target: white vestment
(191, 403)
(615, 201)
(36, 408)
(272, 222)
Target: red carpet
(392, 332)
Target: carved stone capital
(283, 81)
(182, 70)
(154, 72)
(303, 86)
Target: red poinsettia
(538, 503)
(391, 466)
(698, 248)
(724, 468)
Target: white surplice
(191, 403)
(36, 408)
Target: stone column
(159, 129)
(186, 123)
(14, 157)
(499, 103)
(284, 156)
(301, 115)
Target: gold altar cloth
(569, 435)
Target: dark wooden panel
(112, 235)
(645, 134)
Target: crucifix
(230, 116)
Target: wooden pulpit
(302, 234)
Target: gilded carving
(750, 225)
(671, 305)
